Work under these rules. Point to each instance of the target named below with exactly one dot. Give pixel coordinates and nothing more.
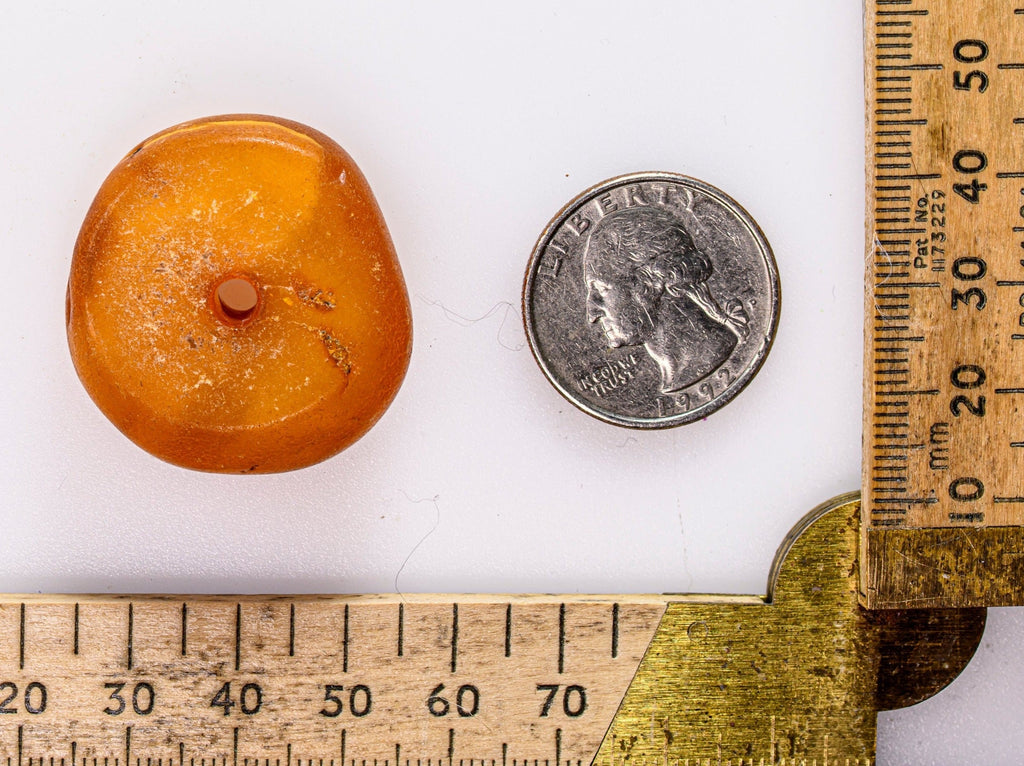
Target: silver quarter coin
(651, 300)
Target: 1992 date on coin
(651, 300)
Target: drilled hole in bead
(237, 298)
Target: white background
(474, 123)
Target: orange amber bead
(235, 302)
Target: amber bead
(235, 303)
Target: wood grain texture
(944, 308)
(455, 680)
(416, 680)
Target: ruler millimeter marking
(413, 681)
(943, 481)
(477, 680)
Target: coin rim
(741, 382)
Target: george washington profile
(647, 285)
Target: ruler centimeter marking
(326, 680)
(151, 680)
(462, 680)
(943, 481)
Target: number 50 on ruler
(943, 478)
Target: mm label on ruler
(943, 485)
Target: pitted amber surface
(235, 302)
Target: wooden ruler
(378, 679)
(943, 480)
(476, 680)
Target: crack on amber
(337, 350)
(322, 300)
